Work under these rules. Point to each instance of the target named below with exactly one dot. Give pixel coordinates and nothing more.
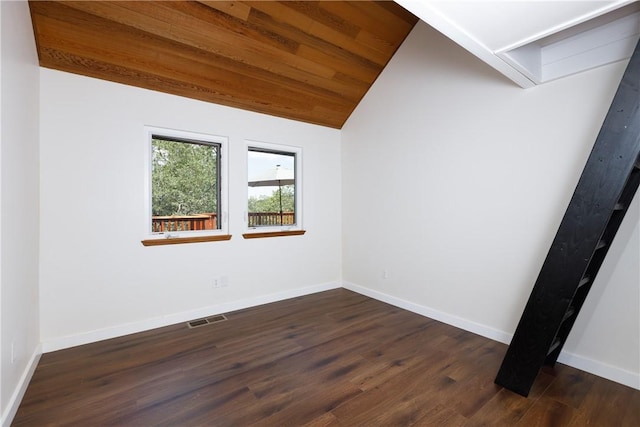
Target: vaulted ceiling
(311, 61)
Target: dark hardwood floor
(334, 358)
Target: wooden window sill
(273, 234)
(181, 240)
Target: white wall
(18, 205)
(608, 329)
(454, 183)
(97, 280)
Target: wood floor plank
(383, 402)
(606, 404)
(507, 408)
(325, 420)
(632, 415)
(546, 412)
(441, 415)
(329, 359)
(571, 386)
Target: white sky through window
(260, 163)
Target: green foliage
(184, 178)
(272, 203)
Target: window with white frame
(186, 180)
(274, 187)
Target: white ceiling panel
(508, 35)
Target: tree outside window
(185, 184)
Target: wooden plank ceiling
(302, 60)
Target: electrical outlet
(385, 274)
(13, 352)
(224, 281)
(219, 282)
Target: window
(186, 177)
(274, 183)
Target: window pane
(272, 189)
(184, 185)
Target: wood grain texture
(309, 61)
(258, 235)
(334, 358)
(182, 240)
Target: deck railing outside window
(208, 221)
(259, 219)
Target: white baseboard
(432, 313)
(18, 393)
(613, 373)
(171, 319)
